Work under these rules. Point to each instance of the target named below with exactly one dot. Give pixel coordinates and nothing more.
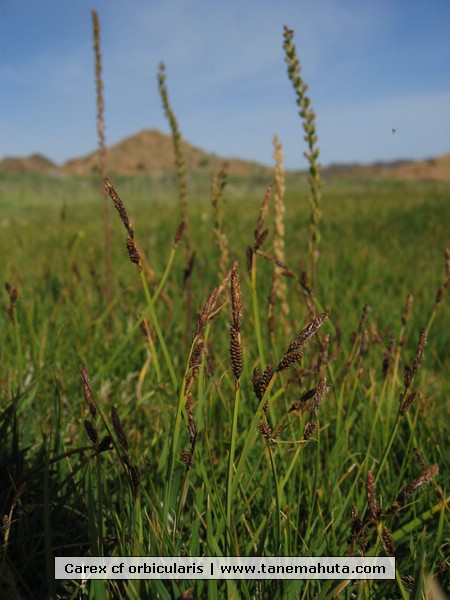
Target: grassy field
(197, 458)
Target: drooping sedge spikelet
(306, 334)
(289, 359)
(427, 475)
(118, 428)
(91, 431)
(388, 541)
(420, 350)
(408, 402)
(265, 430)
(179, 233)
(236, 298)
(131, 245)
(310, 429)
(105, 444)
(87, 392)
(317, 398)
(260, 382)
(308, 117)
(407, 309)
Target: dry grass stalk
(102, 148)
(218, 184)
(12, 293)
(419, 457)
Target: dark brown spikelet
(91, 431)
(439, 295)
(306, 334)
(317, 399)
(310, 428)
(119, 207)
(408, 402)
(105, 444)
(407, 309)
(118, 428)
(236, 299)
(179, 233)
(265, 430)
(427, 475)
(186, 457)
(87, 392)
(407, 376)
(236, 352)
(371, 497)
(388, 541)
(420, 350)
(256, 380)
(289, 359)
(249, 257)
(133, 252)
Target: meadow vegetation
(222, 403)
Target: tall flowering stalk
(102, 149)
(312, 154)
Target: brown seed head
(407, 309)
(91, 431)
(427, 475)
(236, 352)
(118, 428)
(420, 350)
(306, 334)
(371, 497)
(310, 428)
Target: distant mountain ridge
(150, 152)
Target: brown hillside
(29, 164)
(437, 169)
(150, 152)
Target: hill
(150, 152)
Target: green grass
(380, 242)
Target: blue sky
(371, 66)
